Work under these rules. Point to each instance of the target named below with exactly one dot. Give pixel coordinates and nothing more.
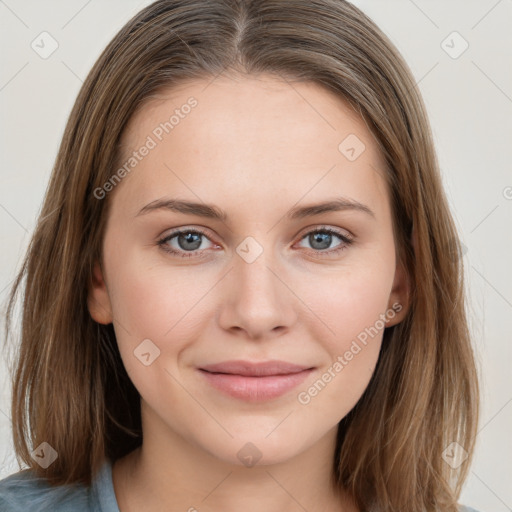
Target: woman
(238, 293)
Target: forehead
(225, 105)
(260, 136)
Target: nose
(257, 300)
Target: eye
(184, 241)
(188, 243)
(321, 239)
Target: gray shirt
(24, 492)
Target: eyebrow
(213, 212)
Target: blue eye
(321, 239)
(188, 242)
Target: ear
(400, 296)
(98, 300)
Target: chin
(254, 448)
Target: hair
(70, 387)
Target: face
(256, 272)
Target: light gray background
(469, 100)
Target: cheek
(347, 302)
(350, 310)
(165, 310)
(157, 303)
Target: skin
(255, 147)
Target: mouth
(255, 382)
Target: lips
(250, 369)
(253, 382)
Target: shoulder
(23, 491)
(463, 508)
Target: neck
(169, 473)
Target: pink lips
(255, 381)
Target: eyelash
(346, 241)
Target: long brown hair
(70, 388)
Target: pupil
(187, 242)
(323, 238)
